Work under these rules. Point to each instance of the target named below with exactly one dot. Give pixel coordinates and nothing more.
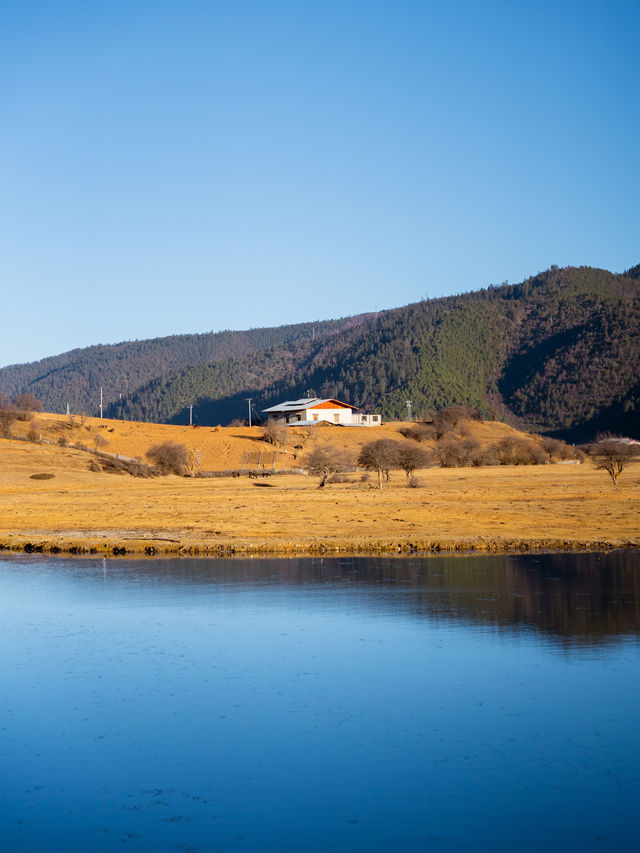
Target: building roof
(308, 403)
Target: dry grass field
(555, 506)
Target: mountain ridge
(559, 351)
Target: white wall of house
(311, 415)
(315, 411)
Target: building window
(315, 417)
(375, 417)
(336, 419)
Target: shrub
(557, 449)
(169, 457)
(519, 451)
(100, 442)
(34, 431)
(454, 452)
(7, 417)
(446, 419)
(450, 453)
(113, 465)
(418, 432)
(26, 403)
(274, 433)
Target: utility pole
(409, 409)
(249, 399)
(101, 402)
(191, 415)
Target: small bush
(113, 465)
(450, 453)
(7, 417)
(100, 442)
(169, 457)
(418, 432)
(274, 433)
(26, 404)
(34, 431)
(519, 451)
(446, 419)
(63, 441)
(414, 483)
(560, 450)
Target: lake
(410, 704)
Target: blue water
(320, 705)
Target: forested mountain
(559, 352)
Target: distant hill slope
(561, 352)
(75, 377)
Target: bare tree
(34, 431)
(100, 442)
(274, 433)
(411, 457)
(379, 456)
(613, 456)
(7, 417)
(169, 457)
(26, 403)
(324, 461)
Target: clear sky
(189, 166)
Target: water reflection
(356, 705)
(576, 598)
(572, 599)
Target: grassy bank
(558, 507)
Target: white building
(312, 410)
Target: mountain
(559, 352)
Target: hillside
(559, 352)
(59, 497)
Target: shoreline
(142, 548)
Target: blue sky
(170, 167)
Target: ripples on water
(345, 704)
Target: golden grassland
(502, 508)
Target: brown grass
(498, 508)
